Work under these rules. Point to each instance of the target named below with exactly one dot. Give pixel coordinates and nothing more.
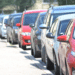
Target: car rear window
(62, 27)
(29, 18)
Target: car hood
(26, 29)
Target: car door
(65, 47)
(20, 30)
(50, 41)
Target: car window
(54, 27)
(6, 21)
(62, 27)
(1, 20)
(16, 20)
(74, 33)
(40, 20)
(68, 30)
(29, 18)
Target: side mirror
(49, 35)
(31, 25)
(62, 38)
(43, 26)
(18, 25)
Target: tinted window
(74, 33)
(62, 27)
(56, 15)
(1, 20)
(29, 18)
(41, 19)
(16, 20)
(6, 21)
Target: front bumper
(25, 40)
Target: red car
(66, 50)
(24, 30)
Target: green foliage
(66, 2)
(24, 4)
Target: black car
(9, 25)
(14, 29)
(36, 35)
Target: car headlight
(26, 33)
(73, 53)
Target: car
(28, 17)
(47, 44)
(9, 25)
(3, 33)
(36, 35)
(66, 49)
(58, 28)
(14, 29)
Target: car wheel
(36, 53)
(7, 38)
(31, 50)
(24, 47)
(49, 64)
(56, 68)
(19, 45)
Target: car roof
(35, 11)
(15, 14)
(17, 17)
(65, 17)
(3, 15)
(42, 13)
(62, 9)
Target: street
(15, 61)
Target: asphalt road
(15, 61)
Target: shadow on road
(23, 52)
(3, 41)
(12, 46)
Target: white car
(3, 26)
(58, 28)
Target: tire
(31, 50)
(49, 64)
(19, 45)
(36, 53)
(56, 68)
(43, 54)
(7, 38)
(24, 47)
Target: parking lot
(15, 61)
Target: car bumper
(25, 40)
(4, 34)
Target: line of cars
(51, 34)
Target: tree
(66, 2)
(24, 4)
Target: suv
(36, 35)
(9, 25)
(14, 29)
(47, 43)
(28, 17)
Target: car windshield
(29, 18)
(16, 20)
(1, 20)
(63, 26)
(14, 16)
(56, 15)
(6, 21)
